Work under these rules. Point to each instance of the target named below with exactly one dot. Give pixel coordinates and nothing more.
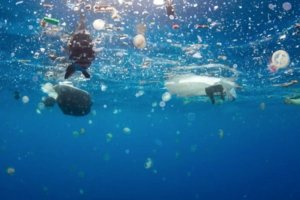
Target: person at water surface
(81, 51)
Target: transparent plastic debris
(191, 85)
(148, 163)
(280, 59)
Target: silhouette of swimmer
(215, 90)
(80, 50)
(170, 8)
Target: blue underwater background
(133, 145)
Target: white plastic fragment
(148, 163)
(19, 2)
(139, 41)
(25, 99)
(99, 24)
(166, 96)
(158, 2)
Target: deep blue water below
(257, 158)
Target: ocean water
(134, 144)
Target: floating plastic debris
(76, 8)
(19, 2)
(106, 156)
(41, 106)
(48, 88)
(221, 133)
(25, 99)
(10, 171)
(222, 57)
(162, 104)
(81, 174)
(82, 131)
(292, 100)
(75, 133)
(189, 85)
(46, 5)
(286, 84)
(166, 96)
(154, 104)
(148, 163)
(51, 20)
(272, 6)
(109, 137)
(199, 26)
(126, 130)
(280, 59)
(81, 191)
(45, 189)
(197, 55)
(282, 37)
(158, 2)
(99, 24)
(139, 93)
(38, 111)
(287, 6)
(36, 55)
(42, 50)
(262, 106)
(175, 26)
(88, 7)
(141, 29)
(116, 111)
(139, 41)
(99, 8)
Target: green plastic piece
(51, 20)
